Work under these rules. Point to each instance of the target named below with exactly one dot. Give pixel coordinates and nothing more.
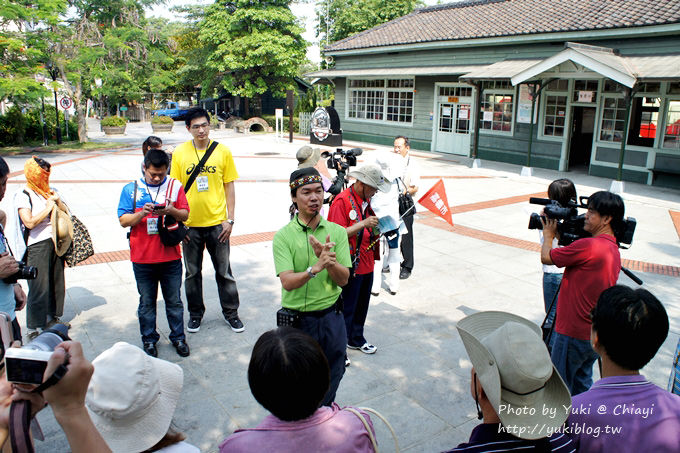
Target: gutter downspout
(478, 107)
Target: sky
(302, 11)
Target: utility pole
(53, 72)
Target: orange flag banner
(435, 200)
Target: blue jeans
(148, 276)
(551, 284)
(574, 360)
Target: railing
(305, 123)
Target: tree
(255, 46)
(23, 46)
(107, 41)
(339, 19)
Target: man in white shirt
(410, 179)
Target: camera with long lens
(26, 365)
(570, 223)
(340, 160)
(25, 272)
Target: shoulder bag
(371, 435)
(171, 230)
(406, 204)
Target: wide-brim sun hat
(308, 156)
(371, 176)
(514, 368)
(132, 397)
(62, 230)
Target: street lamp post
(53, 72)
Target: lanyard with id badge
(202, 184)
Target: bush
(162, 120)
(115, 121)
(12, 127)
(34, 125)
(271, 120)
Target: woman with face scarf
(45, 302)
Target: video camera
(570, 223)
(341, 159)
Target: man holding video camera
(591, 266)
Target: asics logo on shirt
(204, 169)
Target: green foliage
(17, 128)
(305, 102)
(23, 46)
(254, 46)
(162, 120)
(115, 121)
(343, 18)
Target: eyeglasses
(196, 127)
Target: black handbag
(407, 207)
(171, 231)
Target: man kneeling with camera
(592, 264)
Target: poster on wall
(487, 116)
(524, 105)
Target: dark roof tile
(494, 18)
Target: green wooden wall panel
(637, 158)
(612, 173)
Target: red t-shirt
(592, 265)
(145, 243)
(340, 214)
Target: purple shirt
(329, 429)
(625, 413)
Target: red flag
(435, 200)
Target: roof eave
(627, 32)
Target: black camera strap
(201, 163)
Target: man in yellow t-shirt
(211, 200)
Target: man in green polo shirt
(311, 256)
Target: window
(613, 116)
(674, 88)
(497, 106)
(455, 91)
(644, 117)
(558, 85)
(671, 138)
(381, 100)
(585, 91)
(555, 113)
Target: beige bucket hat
(515, 371)
(62, 230)
(371, 176)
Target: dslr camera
(25, 272)
(570, 223)
(26, 365)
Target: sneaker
(194, 325)
(235, 324)
(57, 320)
(367, 348)
(181, 347)
(404, 274)
(347, 362)
(150, 349)
(375, 294)
(31, 334)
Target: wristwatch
(230, 221)
(309, 271)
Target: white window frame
(386, 90)
(664, 121)
(512, 91)
(543, 100)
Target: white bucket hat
(371, 176)
(132, 397)
(515, 371)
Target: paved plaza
(419, 378)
